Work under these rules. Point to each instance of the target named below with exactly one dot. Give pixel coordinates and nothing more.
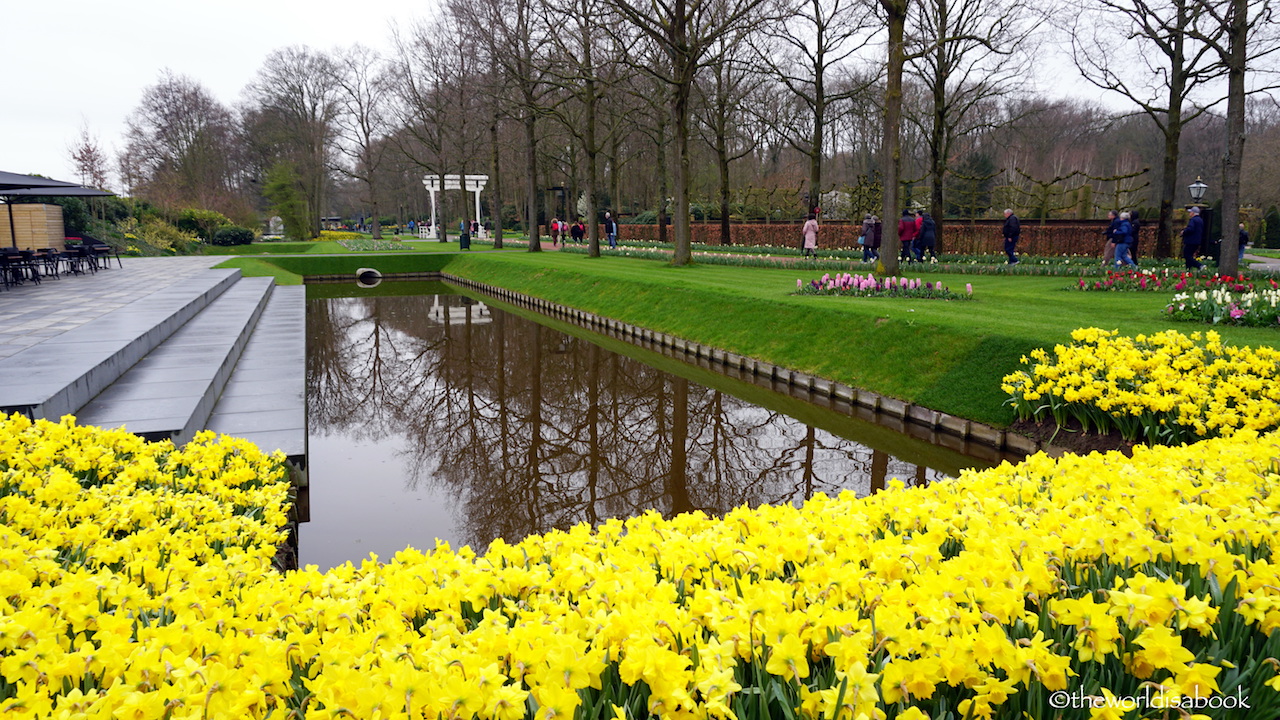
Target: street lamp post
(1212, 248)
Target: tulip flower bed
(870, 286)
(1163, 388)
(1166, 280)
(138, 584)
(1222, 306)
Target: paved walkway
(1263, 264)
(33, 313)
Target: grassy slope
(949, 356)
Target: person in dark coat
(1109, 248)
(874, 237)
(1124, 241)
(1012, 232)
(907, 235)
(928, 238)
(865, 237)
(1192, 239)
(1244, 240)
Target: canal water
(437, 417)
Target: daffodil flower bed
(1258, 308)
(1164, 388)
(870, 286)
(138, 584)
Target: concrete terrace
(163, 346)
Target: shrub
(232, 235)
(1271, 229)
(202, 223)
(153, 236)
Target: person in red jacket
(906, 235)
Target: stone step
(59, 375)
(171, 392)
(265, 399)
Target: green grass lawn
(949, 356)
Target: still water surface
(434, 416)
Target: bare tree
(433, 71)
(517, 46)
(971, 54)
(687, 33)
(89, 159)
(294, 102)
(1144, 51)
(722, 97)
(1240, 33)
(361, 122)
(181, 146)
(803, 52)
(582, 66)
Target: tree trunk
(891, 151)
(722, 159)
(444, 225)
(1237, 33)
(817, 140)
(593, 225)
(1172, 143)
(938, 138)
(531, 180)
(662, 177)
(495, 181)
(680, 118)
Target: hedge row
(956, 237)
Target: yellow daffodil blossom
(136, 580)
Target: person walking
(1192, 239)
(1012, 233)
(1244, 240)
(906, 236)
(1109, 247)
(555, 231)
(1124, 241)
(810, 233)
(927, 238)
(865, 238)
(577, 231)
(876, 237)
(611, 230)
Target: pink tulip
(968, 287)
(799, 283)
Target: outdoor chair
(101, 250)
(50, 261)
(79, 260)
(18, 266)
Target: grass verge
(949, 356)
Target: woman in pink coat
(810, 232)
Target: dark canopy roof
(71, 191)
(10, 181)
(13, 185)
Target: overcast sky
(86, 62)
(78, 63)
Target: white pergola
(470, 183)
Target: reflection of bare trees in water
(531, 429)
